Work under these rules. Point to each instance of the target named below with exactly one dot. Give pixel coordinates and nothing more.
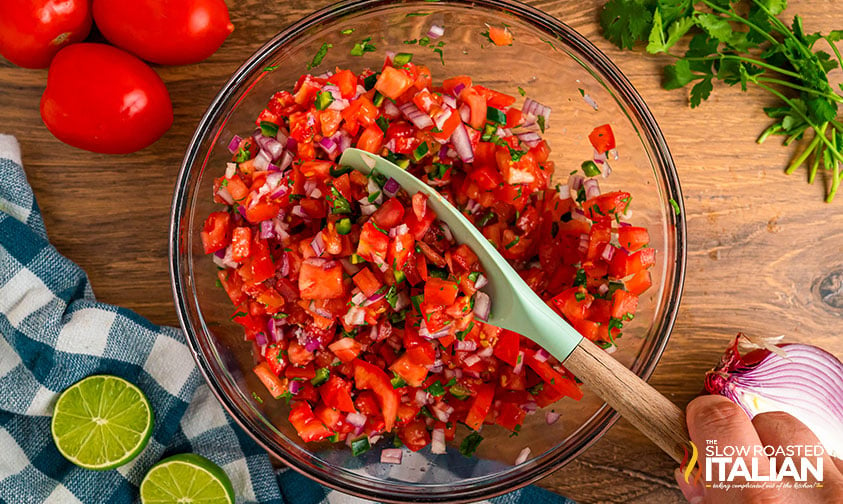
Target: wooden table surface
(764, 250)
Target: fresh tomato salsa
(364, 311)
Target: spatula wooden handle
(645, 408)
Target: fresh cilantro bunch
(744, 42)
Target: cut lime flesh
(101, 422)
(186, 478)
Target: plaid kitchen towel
(55, 333)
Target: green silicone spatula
(517, 308)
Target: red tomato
(602, 138)
(102, 99)
(168, 32)
(371, 377)
(320, 279)
(215, 232)
(33, 31)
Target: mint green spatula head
(517, 308)
(514, 305)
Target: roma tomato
(103, 99)
(169, 32)
(33, 31)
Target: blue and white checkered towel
(55, 333)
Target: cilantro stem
(802, 157)
(835, 182)
(812, 174)
(783, 29)
(830, 96)
(834, 151)
(834, 48)
(735, 57)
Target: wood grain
(764, 250)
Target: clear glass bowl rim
(605, 417)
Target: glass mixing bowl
(553, 64)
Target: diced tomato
(633, 238)
(623, 304)
(390, 214)
(500, 36)
(275, 385)
(306, 424)
(624, 264)
(367, 282)
(440, 292)
(370, 377)
(371, 139)
(602, 138)
(606, 206)
(414, 435)
(573, 303)
(413, 365)
(346, 82)
(639, 283)
(510, 416)
(451, 85)
(508, 346)
(399, 251)
(336, 393)
(393, 82)
(346, 349)
(241, 243)
(321, 279)
(215, 232)
(477, 106)
(495, 99)
(373, 242)
(480, 406)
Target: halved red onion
(234, 144)
(522, 457)
(437, 442)
(356, 419)
(551, 417)
(462, 144)
(435, 31)
(592, 188)
(419, 119)
(482, 305)
(391, 455)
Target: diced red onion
(449, 101)
(294, 387)
(519, 363)
(442, 411)
(284, 266)
(299, 212)
(443, 115)
(273, 147)
(328, 145)
(318, 244)
(313, 344)
(530, 407)
(465, 346)
(522, 457)
(355, 316)
(367, 208)
(481, 282)
(357, 297)
(421, 397)
(292, 144)
(537, 109)
(608, 252)
(356, 419)
(486, 352)
(391, 187)
(390, 109)
(282, 136)
(551, 417)
(262, 160)
(465, 113)
(225, 195)
(242, 211)
(230, 169)
(286, 160)
(614, 153)
(424, 333)
(603, 289)
(279, 192)
(437, 442)
(220, 253)
(435, 31)
(541, 355)
(598, 157)
(575, 181)
(391, 455)
(607, 170)
(482, 305)
(350, 268)
(260, 339)
(462, 144)
(592, 188)
(458, 88)
(234, 144)
(374, 298)
(398, 231)
(403, 301)
(471, 360)
(578, 215)
(339, 104)
(530, 138)
(267, 230)
(272, 330)
(419, 119)
(590, 101)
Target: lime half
(187, 478)
(101, 422)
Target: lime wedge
(188, 478)
(101, 422)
